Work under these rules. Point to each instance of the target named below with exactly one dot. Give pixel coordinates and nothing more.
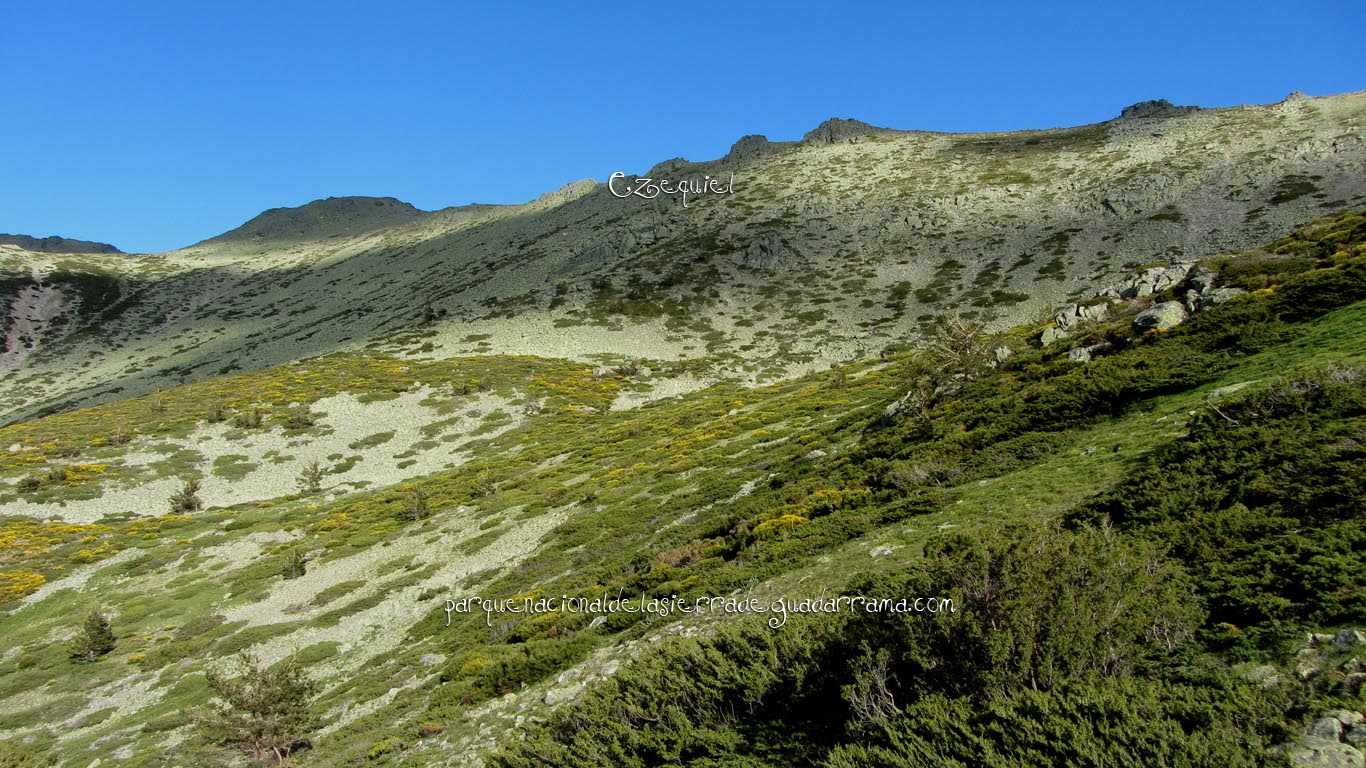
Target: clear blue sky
(154, 125)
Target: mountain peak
(1154, 108)
(753, 145)
(329, 217)
(838, 129)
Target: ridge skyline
(1164, 108)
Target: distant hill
(333, 217)
(55, 244)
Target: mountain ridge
(824, 252)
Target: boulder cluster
(1201, 293)
(1337, 737)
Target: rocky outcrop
(1087, 354)
(667, 167)
(1154, 280)
(1071, 315)
(766, 253)
(909, 403)
(1154, 108)
(1202, 293)
(1051, 335)
(1160, 317)
(1332, 740)
(750, 147)
(1335, 738)
(838, 129)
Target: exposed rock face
(1051, 335)
(766, 253)
(1160, 317)
(1219, 296)
(672, 165)
(1201, 279)
(838, 129)
(1071, 315)
(1346, 639)
(1154, 280)
(1066, 317)
(751, 146)
(1331, 741)
(1087, 354)
(1321, 753)
(1202, 293)
(56, 244)
(908, 403)
(1154, 108)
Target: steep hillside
(838, 247)
(1154, 548)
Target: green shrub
(187, 499)
(1090, 721)
(1261, 500)
(296, 565)
(264, 711)
(311, 478)
(1035, 608)
(96, 637)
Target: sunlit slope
(832, 248)
(525, 482)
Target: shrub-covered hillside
(1154, 556)
(1162, 621)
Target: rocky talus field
(1102, 388)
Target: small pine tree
(248, 419)
(837, 376)
(870, 697)
(217, 413)
(415, 505)
(295, 566)
(264, 712)
(301, 417)
(187, 499)
(960, 349)
(311, 478)
(96, 638)
(484, 484)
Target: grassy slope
(650, 501)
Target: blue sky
(155, 125)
